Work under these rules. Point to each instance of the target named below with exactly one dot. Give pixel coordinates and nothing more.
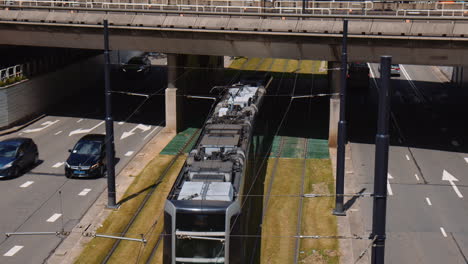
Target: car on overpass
(87, 158)
(17, 155)
(394, 70)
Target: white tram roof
(213, 191)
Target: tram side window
(200, 222)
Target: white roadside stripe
(407, 157)
(428, 201)
(58, 132)
(13, 251)
(150, 133)
(129, 153)
(26, 184)
(84, 192)
(417, 177)
(54, 218)
(443, 231)
(58, 164)
(79, 120)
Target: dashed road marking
(19, 134)
(84, 192)
(13, 251)
(443, 231)
(54, 218)
(26, 184)
(58, 132)
(407, 157)
(389, 187)
(428, 201)
(79, 121)
(129, 153)
(58, 164)
(120, 123)
(466, 159)
(417, 177)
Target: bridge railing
(10, 73)
(258, 6)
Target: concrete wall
(31, 97)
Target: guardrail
(363, 8)
(11, 72)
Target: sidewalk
(70, 248)
(352, 223)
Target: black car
(87, 158)
(16, 155)
(139, 65)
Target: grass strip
(96, 250)
(279, 225)
(317, 218)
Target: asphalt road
(427, 212)
(43, 199)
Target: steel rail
(301, 203)
(239, 14)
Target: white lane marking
(455, 143)
(19, 134)
(79, 120)
(389, 187)
(129, 153)
(58, 132)
(466, 159)
(26, 184)
(372, 75)
(58, 164)
(142, 127)
(446, 176)
(13, 251)
(84, 192)
(428, 201)
(443, 231)
(407, 157)
(417, 177)
(44, 125)
(80, 130)
(121, 123)
(54, 218)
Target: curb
(19, 127)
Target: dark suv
(17, 154)
(87, 158)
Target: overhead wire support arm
(142, 240)
(201, 97)
(32, 233)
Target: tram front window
(200, 249)
(200, 222)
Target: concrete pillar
(173, 98)
(334, 87)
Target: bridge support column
(173, 96)
(334, 75)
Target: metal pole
(381, 164)
(109, 125)
(340, 157)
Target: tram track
(301, 202)
(146, 199)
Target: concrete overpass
(409, 39)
